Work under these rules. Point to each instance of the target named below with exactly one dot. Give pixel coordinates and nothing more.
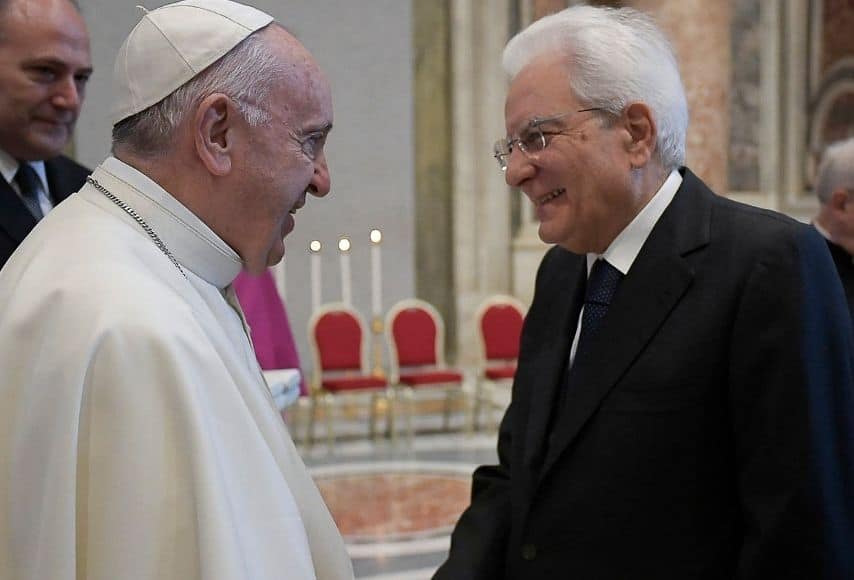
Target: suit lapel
(15, 218)
(658, 279)
(542, 372)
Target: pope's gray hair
(614, 57)
(836, 169)
(246, 73)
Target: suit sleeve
(791, 402)
(480, 537)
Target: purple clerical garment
(268, 321)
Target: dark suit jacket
(845, 268)
(64, 177)
(706, 433)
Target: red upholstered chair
(339, 345)
(416, 339)
(499, 321)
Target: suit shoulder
(748, 226)
(70, 165)
(739, 211)
(68, 171)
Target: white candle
(314, 262)
(344, 261)
(376, 273)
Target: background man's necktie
(29, 184)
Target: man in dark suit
(44, 66)
(683, 402)
(834, 186)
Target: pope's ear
(214, 133)
(641, 133)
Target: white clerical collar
(627, 245)
(9, 167)
(190, 240)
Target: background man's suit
(845, 267)
(687, 445)
(64, 177)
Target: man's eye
(313, 143)
(43, 74)
(531, 141)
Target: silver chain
(138, 219)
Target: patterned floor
(396, 504)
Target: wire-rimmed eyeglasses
(533, 138)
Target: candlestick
(314, 261)
(344, 262)
(376, 273)
(377, 329)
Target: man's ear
(214, 133)
(839, 198)
(641, 133)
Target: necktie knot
(601, 284)
(30, 185)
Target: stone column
(540, 8)
(700, 33)
(481, 200)
(434, 255)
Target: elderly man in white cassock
(138, 439)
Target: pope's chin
(276, 253)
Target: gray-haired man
(682, 406)
(834, 186)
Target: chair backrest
(416, 335)
(338, 337)
(499, 321)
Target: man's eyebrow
(326, 128)
(537, 121)
(56, 63)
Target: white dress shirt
(9, 167)
(627, 245)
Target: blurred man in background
(834, 186)
(44, 66)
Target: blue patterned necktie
(601, 287)
(29, 184)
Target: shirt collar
(824, 233)
(195, 246)
(9, 167)
(627, 245)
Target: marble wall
(745, 95)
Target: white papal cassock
(137, 437)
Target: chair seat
(339, 384)
(497, 373)
(430, 378)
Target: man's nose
(68, 94)
(518, 169)
(321, 181)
